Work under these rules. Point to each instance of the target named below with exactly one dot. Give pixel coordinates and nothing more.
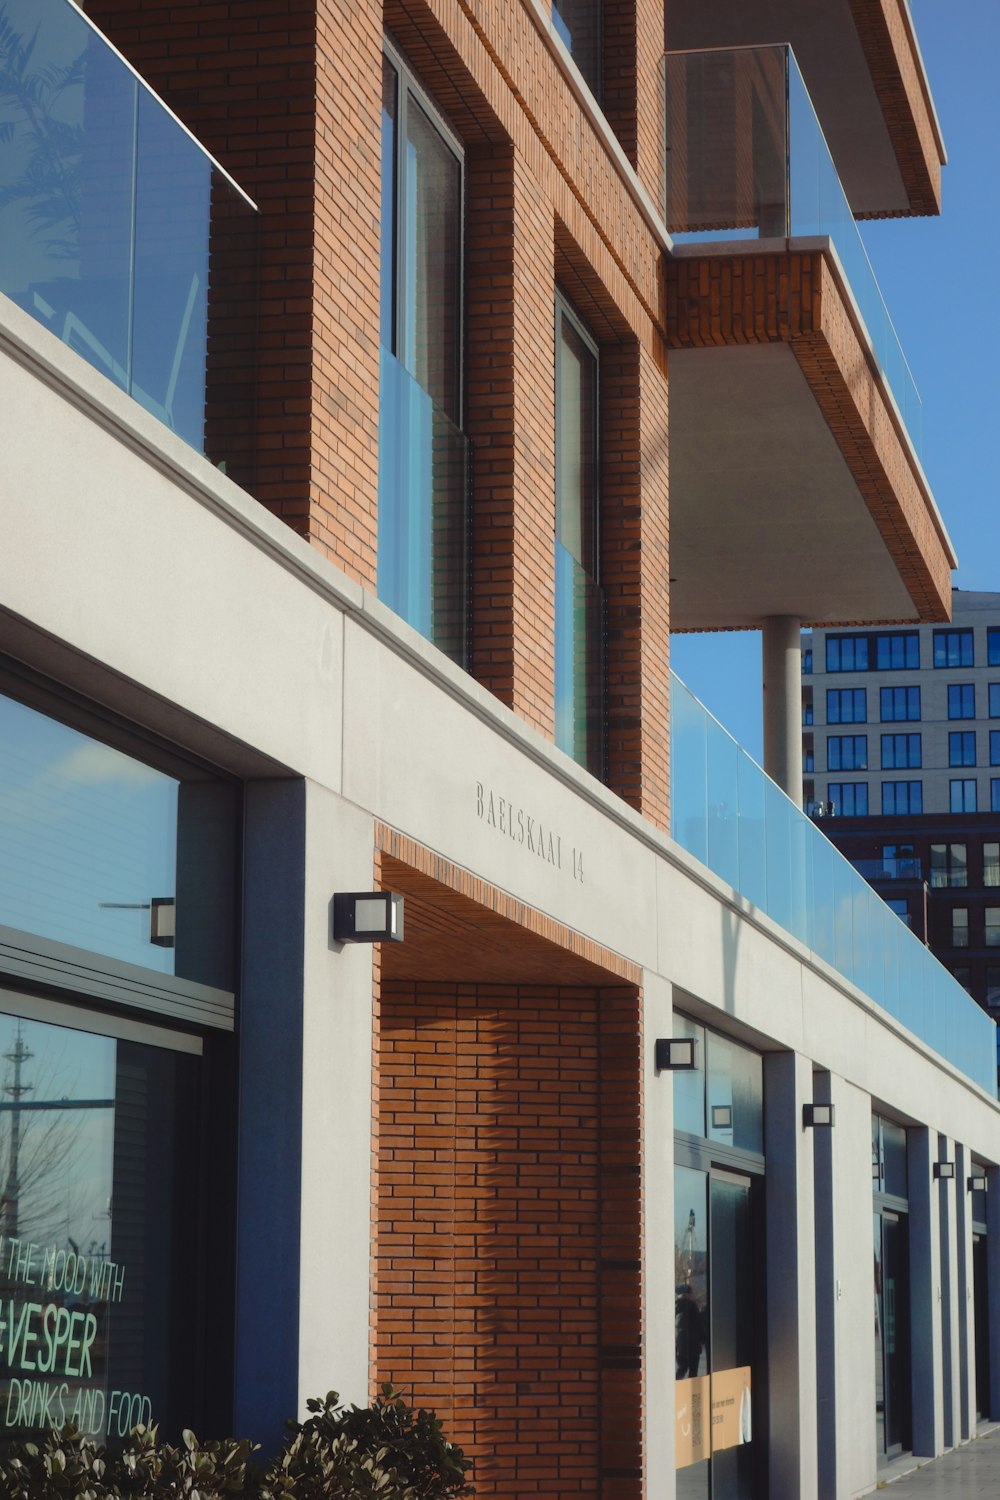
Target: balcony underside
(793, 487)
(866, 79)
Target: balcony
(900, 867)
(121, 235)
(729, 815)
(795, 420)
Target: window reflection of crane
(687, 1246)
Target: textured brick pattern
(795, 298)
(889, 50)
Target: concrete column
(966, 1301)
(658, 1239)
(782, 665)
(791, 1277)
(951, 1376)
(845, 1344)
(993, 1284)
(925, 1294)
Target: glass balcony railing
(422, 511)
(120, 235)
(734, 819)
(747, 157)
(579, 651)
(888, 868)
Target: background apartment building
(901, 752)
(378, 398)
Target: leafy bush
(386, 1450)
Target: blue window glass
(900, 752)
(807, 660)
(847, 752)
(846, 706)
(961, 700)
(994, 807)
(953, 648)
(993, 646)
(849, 798)
(899, 652)
(949, 866)
(900, 907)
(899, 703)
(962, 747)
(579, 631)
(962, 795)
(995, 700)
(902, 797)
(847, 653)
(995, 747)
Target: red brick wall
(508, 1237)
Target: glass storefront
(718, 1267)
(892, 1289)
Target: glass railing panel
(746, 158)
(119, 234)
(787, 868)
(579, 664)
(723, 803)
(422, 511)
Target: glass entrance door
(892, 1347)
(979, 1296)
(714, 1318)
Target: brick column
(510, 403)
(292, 73)
(633, 85)
(634, 573)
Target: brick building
(353, 361)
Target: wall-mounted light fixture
(977, 1182)
(944, 1170)
(674, 1053)
(722, 1117)
(368, 917)
(822, 1115)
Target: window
(960, 927)
(808, 762)
(953, 648)
(898, 652)
(899, 797)
(847, 752)
(807, 660)
(962, 747)
(900, 907)
(899, 703)
(961, 700)
(807, 714)
(847, 653)
(846, 706)
(578, 24)
(899, 862)
(422, 451)
(900, 752)
(993, 646)
(995, 700)
(994, 794)
(991, 864)
(579, 605)
(962, 795)
(991, 926)
(993, 986)
(849, 798)
(949, 866)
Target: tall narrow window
(422, 451)
(579, 624)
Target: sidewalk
(972, 1470)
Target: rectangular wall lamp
(674, 1053)
(722, 1117)
(944, 1170)
(819, 1115)
(368, 917)
(977, 1182)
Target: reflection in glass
(95, 1256)
(692, 1338)
(101, 851)
(735, 1094)
(733, 1300)
(689, 1084)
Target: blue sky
(939, 280)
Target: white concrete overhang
(794, 488)
(862, 66)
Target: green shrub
(386, 1450)
(69, 1466)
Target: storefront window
(735, 1094)
(99, 1238)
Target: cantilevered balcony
(121, 235)
(795, 420)
(735, 820)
